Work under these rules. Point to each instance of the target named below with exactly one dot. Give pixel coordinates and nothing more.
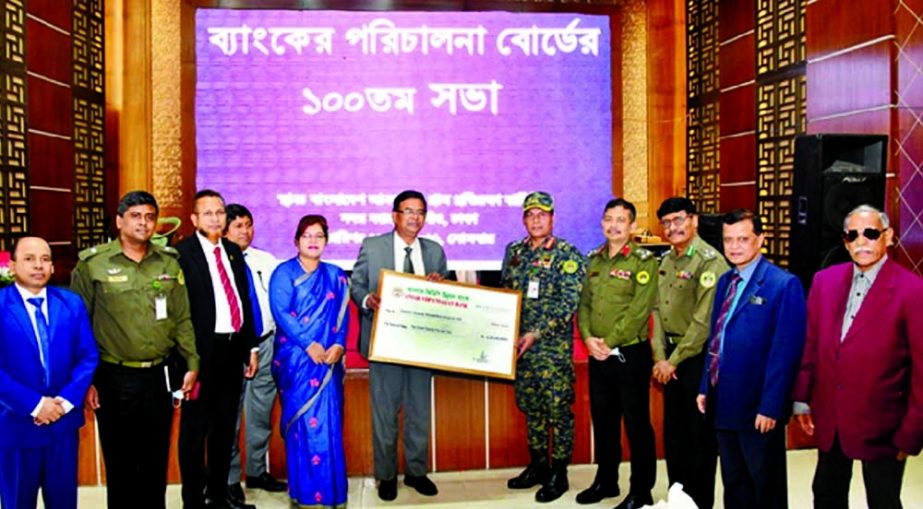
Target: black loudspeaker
(834, 173)
(711, 228)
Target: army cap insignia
(570, 267)
(708, 279)
(643, 277)
(113, 271)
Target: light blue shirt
(745, 276)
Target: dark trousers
(753, 468)
(622, 388)
(209, 422)
(135, 415)
(52, 467)
(393, 386)
(689, 440)
(882, 479)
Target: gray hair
(883, 217)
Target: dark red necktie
(714, 347)
(228, 291)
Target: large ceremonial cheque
(447, 326)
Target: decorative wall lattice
(702, 130)
(780, 112)
(89, 124)
(14, 206)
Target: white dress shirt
(416, 255)
(30, 310)
(222, 306)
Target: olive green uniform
(615, 306)
(121, 295)
(681, 330)
(545, 377)
(140, 311)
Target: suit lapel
(753, 285)
(881, 292)
(198, 258)
(839, 309)
(16, 307)
(389, 251)
(55, 311)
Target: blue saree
(308, 308)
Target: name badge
(532, 293)
(160, 307)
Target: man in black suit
(219, 298)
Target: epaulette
(643, 254)
(708, 254)
(88, 253)
(170, 250)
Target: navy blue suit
(33, 455)
(763, 341)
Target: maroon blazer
(860, 389)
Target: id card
(532, 293)
(160, 307)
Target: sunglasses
(869, 233)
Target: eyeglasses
(675, 222)
(209, 214)
(320, 236)
(869, 233)
(412, 212)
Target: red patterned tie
(228, 291)
(714, 347)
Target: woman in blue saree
(309, 300)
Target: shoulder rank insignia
(570, 267)
(180, 278)
(709, 254)
(643, 277)
(708, 279)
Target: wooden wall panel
(737, 61)
(666, 100)
(48, 51)
(50, 110)
(53, 221)
(737, 112)
(878, 121)
(833, 26)
(735, 18)
(857, 80)
(460, 422)
(735, 196)
(738, 159)
(53, 159)
(357, 423)
(507, 427)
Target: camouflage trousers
(544, 390)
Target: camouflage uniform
(545, 378)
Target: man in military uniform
(687, 278)
(549, 271)
(617, 299)
(134, 293)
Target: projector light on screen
(334, 113)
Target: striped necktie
(41, 324)
(228, 291)
(714, 347)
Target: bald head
(31, 263)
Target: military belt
(634, 341)
(131, 364)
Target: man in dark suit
(864, 347)
(754, 349)
(47, 358)
(222, 316)
(393, 385)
